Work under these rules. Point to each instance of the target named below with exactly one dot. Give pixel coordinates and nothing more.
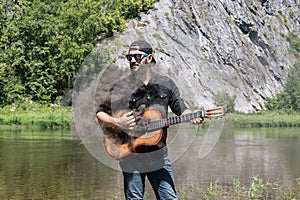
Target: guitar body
(121, 144)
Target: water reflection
(51, 165)
(241, 154)
(55, 165)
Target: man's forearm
(106, 118)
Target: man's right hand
(126, 121)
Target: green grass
(265, 119)
(258, 189)
(36, 115)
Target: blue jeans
(161, 180)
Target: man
(147, 89)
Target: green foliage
(258, 189)
(289, 99)
(265, 119)
(224, 99)
(294, 45)
(43, 43)
(35, 114)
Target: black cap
(142, 45)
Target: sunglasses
(136, 56)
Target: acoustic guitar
(118, 144)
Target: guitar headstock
(215, 112)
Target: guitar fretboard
(158, 124)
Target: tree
(44, 42)
(224, 99)
(289, 99)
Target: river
(37, 164)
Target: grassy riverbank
(265, 119)
(36, 115)
(54, 116)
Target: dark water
(55, 165)
(51, 165)
(272, 154)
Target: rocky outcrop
(208, 47)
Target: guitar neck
(158, 124)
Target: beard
(141, 70)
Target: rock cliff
(208, 47)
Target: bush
(34, 114)
(289, 99)
(224, 99)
